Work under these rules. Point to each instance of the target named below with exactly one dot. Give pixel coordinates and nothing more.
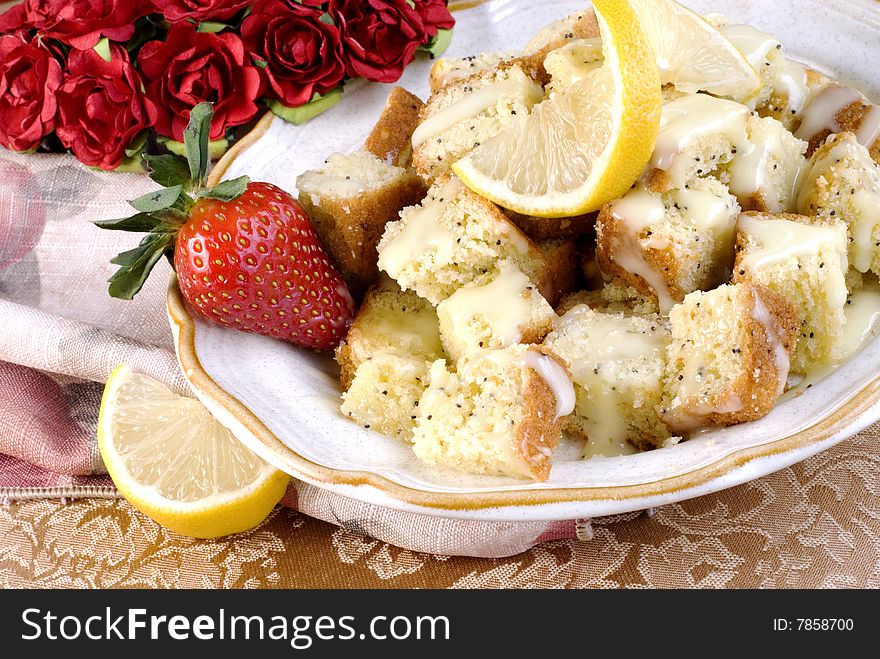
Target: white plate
(284, 402)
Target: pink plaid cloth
(61, 335)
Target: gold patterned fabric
(814, 525)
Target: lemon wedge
(585, 145)
(175, 463)
(692, 54)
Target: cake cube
(452, 238)
(728, 358)
(389, 321)
(698, 134)
(804, 261)
(842, 181)
(495, 311)
(617, 364)
(671, 244)
(465, 113)
(391, 137)
(763, 175)
(384, 393)
(499, 413)
(349, 200)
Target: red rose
(190, 67)
(380, 36)
(435, 15)
(303, 54)
(14, 19)
(199, 10)
(101, 108)
(81, 23)
(29, 76)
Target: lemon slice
(692, 54)
(176, 464)
(585, 145)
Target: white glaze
(517, 84)
(752, 43)
(556, 378)
(862, 313)
(685, 120)
(821, 112)
(638, 210)
(752, 168)
(500, 303)
(792, 82)
(421, 231)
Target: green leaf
(437, 44)
(103, 49)
(129, 279)
(144, 31)
(158, 200)
(303, 113)
(195, 140)
(211, 26)
(260, 63)
(128, 257)
(140, 222)
(169, 170)
(216, 148)
(227, 190)
(326, 18)
(137, 144)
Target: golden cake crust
(757, 386)
(534, 432)
(391, 137)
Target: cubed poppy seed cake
(842, 181)
(389, 322)
(728, 357)
(698, 135)
(495, 311)
(385, 391)
(452, 238)
(500, 412)
(763, 175)
(350, 200)
(468, 112)
(617, 364)
(668, 245)
(447, 70)
(803, 260)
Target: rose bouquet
(107, 78)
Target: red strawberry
(246, 254)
